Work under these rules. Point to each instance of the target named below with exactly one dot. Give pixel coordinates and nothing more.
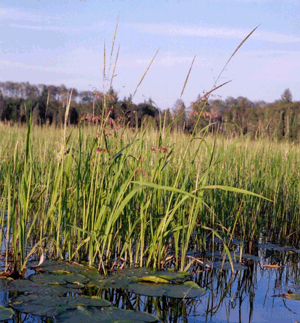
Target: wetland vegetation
(121, 198)
(109, 210)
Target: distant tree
(31, 91)
(166, 117)
(180, 115)
(195, 119)
(1, 103)
(86, 96)
(42, 106)
(74, 116)
(286, 96)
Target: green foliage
(231, 117)
(115, 196)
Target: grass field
(116, 197)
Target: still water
(254, 294)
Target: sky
(62, 42)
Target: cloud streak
(226, 33)
(59, 28)
(20, 15)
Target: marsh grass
(119, 197)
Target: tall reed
(140, 198)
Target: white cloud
(59, 28)
(44, 28)
(171, 60)
(19, 15)
(21, 65)
(194, 31)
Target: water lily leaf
(170, 275)
(247, 256)
(217, 255)
(37, 305)
(147, 289)
(51, 279)
(55, 267)
(105, 315)
(227, 266)
(186, 290)
(223, 255)
(4, 283)
(275, 247)
(114, 281)
(52, 266)
(136, 272)
(175, 277)
(60, 272)
(76, 279)
(30, 287)
(6, 313)
(154, 279)
(48, 279)
(51, 306)
(224, 240)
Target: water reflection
(246, 296)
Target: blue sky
(61, 42)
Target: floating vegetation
(55, 290)
(66, 279)
(27, 286)
(52, 306)
(185, 291)
(6, 313)
(105, 315)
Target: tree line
(46, 104)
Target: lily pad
(136, 272)
(48, 279)
(235, 242)
(275, 247)
(247, 256)
(175, 277)
(4, 283)
(221, 255)
(125, 277)
(63, 279)
(51, 306)
(76, 279)
(30, 287)
(227, 266)
(186, 290)
(6, 313)
(154, 279)
(115, 281)
(60, 272)
(61, 267)
(105, 315)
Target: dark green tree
(179, 115)
(286, 96)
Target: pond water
(254, 293)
